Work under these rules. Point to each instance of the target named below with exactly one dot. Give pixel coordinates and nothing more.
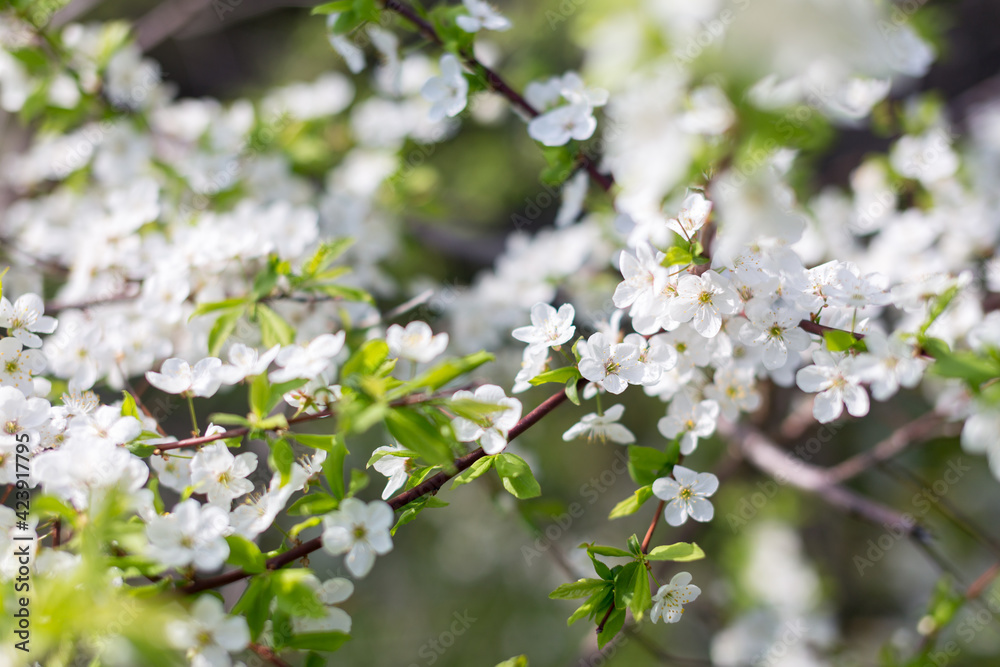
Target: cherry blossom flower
(173, 469)
(392, 466)
(694, 214)
(416, 342)
(244, 362)
(669, 600)
(330, 592)
(689, 420)
(17, 365)
(492, 433)
(533, 361)
(176, 376)
(209, 635)
(107, 424)
(25, 317)
(777, 329)
(602, 427)
(838, 382)
(890, 363)
(549, 327)
(258, 512)
(447, 92)
(308, 361)
(686, 495)
(481, 15)
(703, 300)
(220, 475)
(361, 531)
(613, 366)
(734, 389)
(20, 414)
(556, 127)
(193, 534)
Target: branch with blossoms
(725, 311)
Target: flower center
(705, 297)
(11, 427)
(360, 532)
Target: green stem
(195, 431)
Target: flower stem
(195, 431)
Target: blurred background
(789, 579)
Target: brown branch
(900, 439)
(982, 582)
(496, 84)
(431, 485)
(234, 433)
(769, 458)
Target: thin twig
(921, 428)
(769, 458)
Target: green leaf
(968, 366)
(255, 604)
(226, 419)
(273, 327)
(318, 641)
(367, 360)
(304, 525)
(332, 8)
(444, 372)
(343, 292)
(632, 504)
(223, 328)
(129, 406)
(625, 583)
(245, 554)
(642, 597)
(598, 603)
(580, 588)
(416, 432)
(571, 391)
(313, 504)
(316, 441)
(677, 256)
(839, 341)
(561, 375)
(516, 476)
(260, 393)
(295, 596)
(611, 627)
(205, 308)
(646, 464)
(281, 458)
(517, 661)
(475, 471)
(633, 545)
(679, 551)
(333, 467)
(608, 551)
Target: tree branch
(431, 485)
(769, 458)
(900, 439)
